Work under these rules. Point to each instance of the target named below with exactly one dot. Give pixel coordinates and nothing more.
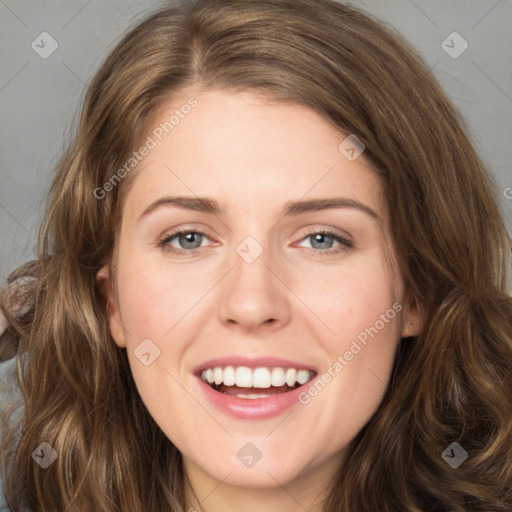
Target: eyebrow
(293, 208)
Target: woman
(272, 275)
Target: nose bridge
(252, 295)
(251, 263)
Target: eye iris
(322, 238)
(194, 239)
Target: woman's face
(287, 272)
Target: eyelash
(345, 244)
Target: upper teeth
(245, 377)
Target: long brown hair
(451, 383)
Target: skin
(299, 299)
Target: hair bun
(17, 300)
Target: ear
(412, 318)
(104, 285)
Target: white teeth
(302, 376)
(252, 396)
(228, 377)
(290, 376)
(263, 378)
(278, 377)
(217, 373)
(243, 377)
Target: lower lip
(253, 408)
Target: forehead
(247, 152)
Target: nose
(254, 295)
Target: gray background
(39, 97)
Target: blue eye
(322, 241)
(188, 242)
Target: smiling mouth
(245, 382)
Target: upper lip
(256, 362)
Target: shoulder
(8, 382)
(9, 392)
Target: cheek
(152, 307)
(359, 332)
(347, 300)
(153, 299)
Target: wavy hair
(451, 383)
